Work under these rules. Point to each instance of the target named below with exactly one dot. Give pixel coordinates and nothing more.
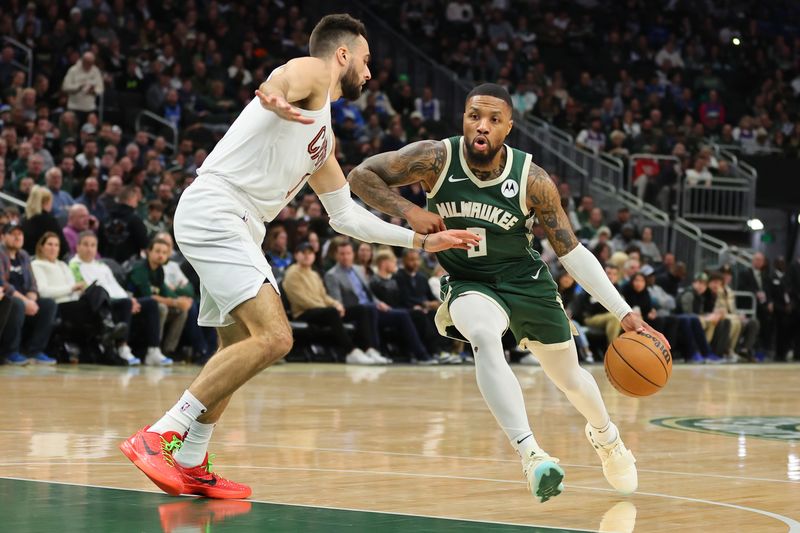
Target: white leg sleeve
(561, 366)
(483, 324)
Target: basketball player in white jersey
(280, 141)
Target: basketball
(638, 364)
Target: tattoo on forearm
(372, 180)
(545, 201)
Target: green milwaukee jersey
(495, 209)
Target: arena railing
(642, 214)
(8, 199)
(726, 200)
(27, 51)
(697, 249)
(162, 123)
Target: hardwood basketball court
(342, 448)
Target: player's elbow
(357, 178)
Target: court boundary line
(308, 506)
(439, 456)
(794, 525)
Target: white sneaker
(376, 357)
(154, 357)
(545, 477)
(733, 357)
(358, 357)
(447, 358)
(529, 360)
(126, 355)
(618, 463)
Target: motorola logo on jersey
(509, 188)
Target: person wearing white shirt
(83, 84)
(56, 280)
(87, 268)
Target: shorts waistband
(235, 191)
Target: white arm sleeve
(587, 271)
(351, 219)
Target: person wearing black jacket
(123, 235)
(757, 280)
(39, 220)
(417, 297)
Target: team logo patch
(509, 188)
(782, 428)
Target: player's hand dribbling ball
(638, 364)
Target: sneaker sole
(219, 494)
(549, 481)
(167, 486)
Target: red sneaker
(152, 454)
(200, 480)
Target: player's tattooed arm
(544, 200)
(373, 179)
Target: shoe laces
(170, 447)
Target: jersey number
(480, 250)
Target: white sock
(195, 445)
(483, 324)
(606, 434)
(525, 443)
(180, 416)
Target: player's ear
(510, 126)
(341, 55)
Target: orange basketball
(638, 364)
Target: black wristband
(425, 238)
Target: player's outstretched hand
(423, 221)
(282, 108)
(453, 238)
(634, 322)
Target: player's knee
(272, 346)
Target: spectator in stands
(712, 112)
(78, 221)
(592, 139)
(672, 280)
(699, 300)
(629, 269)
(311, 303)
(147, 279)
(278, 255)
(83, 83)
(592, 226)
(87, 311)
(623, 217)
(123, 234)
(625, 237)
(141, 315)
(429, 106)
(416, 296)
(699, 175)
(155, 218)
(29, 313)
(364, 261)
(109, 196)
(649, 248)
(742, 327)
(201, 340)
(569, 292)
(39, 220)
(91, 199)
(61, 199)
(757, 281)
(345, 284)
(592, 314)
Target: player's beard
(482, 158)
(351, 83)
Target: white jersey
(270, 159)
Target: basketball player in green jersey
(478, 183)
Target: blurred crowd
(89, 268)
(631, 76)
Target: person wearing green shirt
(146, 278)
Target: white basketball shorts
(220, 234)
